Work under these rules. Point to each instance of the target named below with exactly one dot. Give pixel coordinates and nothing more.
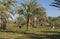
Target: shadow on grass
(2, 38)
(44, 36)
(50, 31)
(39, 36)
(11, 31)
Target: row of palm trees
(31, 11)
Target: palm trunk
(33, 23)
(3, 24)
(28, 23)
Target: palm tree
(5, 10)
(29, 8)
(42, 15)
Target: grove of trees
(30, 12)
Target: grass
(40, 32)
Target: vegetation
(31, 17)
(56, 3)
(30, 8)
(54, 21)
(5, 11)
(42, 32)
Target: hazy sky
(50, 10)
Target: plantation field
(40, 32)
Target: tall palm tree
(29, 8)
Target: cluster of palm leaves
(56, 3)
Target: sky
(50, 10)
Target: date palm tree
(29, 8)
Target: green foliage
(54, 21)
(30, 8)
(5, 11)
(20, 21)
(44, 32)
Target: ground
(41, 32)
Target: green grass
(41, 32)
